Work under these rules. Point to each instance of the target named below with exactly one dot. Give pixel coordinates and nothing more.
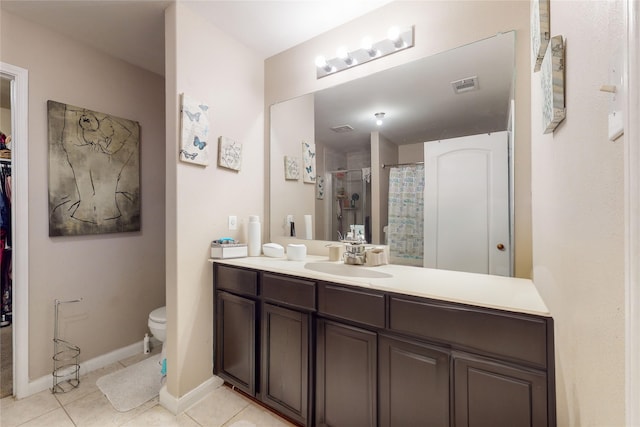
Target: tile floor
(87, 406)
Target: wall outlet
(233, 222)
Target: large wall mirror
(428, 103)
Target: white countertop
(503, 293)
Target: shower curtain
(405, 231)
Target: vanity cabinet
(500, 360)
(489, 393)
(329, 354)
(287, 309)
(346, 392)
(346, 367)
(264, 336)
(236, 341)
(413, 383)
(236, 323)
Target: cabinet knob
(500, 247)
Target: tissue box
(228, 250)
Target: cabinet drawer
(236, 280)
(357, 305)
(512, 336)
(295, 292)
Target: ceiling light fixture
(379, 117)
(397, 39)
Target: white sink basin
(345, 270)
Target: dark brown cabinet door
(413, 383)
(236, 341)
(346, 374)
(489, 394)
(285, 361)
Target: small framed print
(552, 85)
(291, 168)
(540, 31)
(229, 154)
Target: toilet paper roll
(308, 227)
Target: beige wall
(5, 121)
(229, 78)
(119, 276)
(578, 220)
(383, 152)
(411, 153)
(439, 26)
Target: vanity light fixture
(379, 117)
(394, 35)
(344, 55)
(397, 39)
(367, 45)
(322, 64)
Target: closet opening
(17, 115)
(6, 238)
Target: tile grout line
(191, 418)
(69, 415)
(65, 409)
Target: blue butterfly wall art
(195, 131)
(308, 162)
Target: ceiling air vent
(342, 129)
(465, 85)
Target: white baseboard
(178, 405)
(46, 382)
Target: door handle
(500, 247)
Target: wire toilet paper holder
(66, 369)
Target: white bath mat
(134, 385)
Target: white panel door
(466, 215)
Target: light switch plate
(615, 116)
(233, 222)
(616, 125)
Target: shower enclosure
(349, 202)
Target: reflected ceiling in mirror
(419, 100)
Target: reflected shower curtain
(405, 231)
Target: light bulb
(367, 44)
(343, 54)
(379, 122)
(321, 62)
(394, 35)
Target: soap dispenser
(254, 236)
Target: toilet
(158, 326)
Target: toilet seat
(159, 315)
